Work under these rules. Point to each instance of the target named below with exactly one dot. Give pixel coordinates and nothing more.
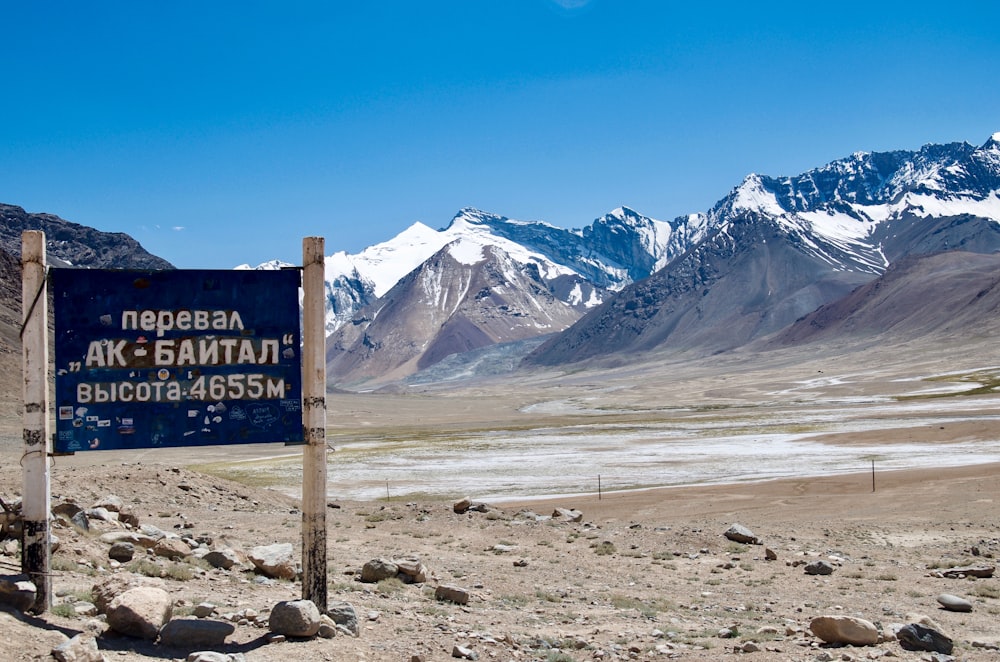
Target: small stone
(770, 554)
(954, 603)
(174, 549)
(741, 534)
(344, 615)
(81, 648)
(463, 653)
(222, 558)
(819, 568)
(122, 552)
(568, 514)
(452, 594)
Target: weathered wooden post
(314, 420)
(36, 552)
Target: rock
(411, 571)
(66, 509)
(274, 561)
(122, 552)
(17, 591)
(195, 633)
(770, 554)
(84, 608)
(327, 628)
(294, 618)
(452, 594)
(129, 519)
(980, 571)
(819, 568)
(80, 521)
(224, 558)
(140, 612)
(568, 514)
(204, 609)
(110, 502)
(378, 569)
(464, 653)
(916, 637)
(844, 630)
(741, 534)
(462, 505)
(954, 603)
(212, 656)
(81, 648)
(174, 549)
(107, 589)
(140, 539)
(343, 614)
(102, 514)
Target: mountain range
(856, 248)
(767, 254)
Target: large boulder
(276, 561)
(17, 591)
(295, 618)
(106, 590)
(378, 569)
(916, 637)
(845, 630)
(194, 633)
(140, 612)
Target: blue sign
(176, 358)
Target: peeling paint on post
(314, 423)
(36, 550)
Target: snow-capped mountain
(774, 249)
(577, 266)
(492, 280)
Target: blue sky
(219, 133)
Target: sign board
(176, 358)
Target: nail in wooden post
(36, 548)
(314, 421)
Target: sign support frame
(314, 571)
(36, 546)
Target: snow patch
(752, 196)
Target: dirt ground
(644, 575)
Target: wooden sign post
(36, 550)
(314, 420)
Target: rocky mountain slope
(777, 248)
(71, 244)
(67, 244)
(963, 290)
